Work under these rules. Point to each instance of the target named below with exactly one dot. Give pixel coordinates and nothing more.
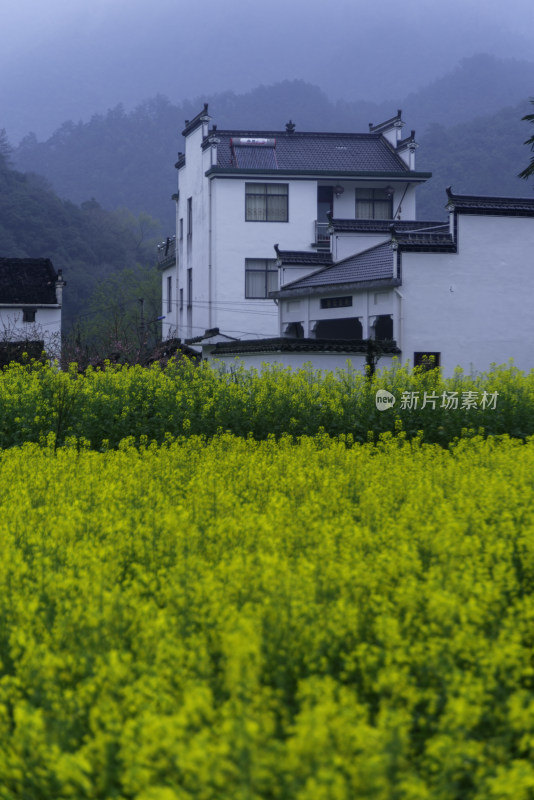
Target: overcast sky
(69, 59)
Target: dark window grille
(336, 302)
(426, 360)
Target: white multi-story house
(240, 192)
(31, 298)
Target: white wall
(319, 361)
(47, 327)
(238, 240)
(474, 306)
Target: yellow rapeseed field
(226, 618)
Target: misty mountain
(86, 242)
(126, 159)
(65, 60)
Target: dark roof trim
(303, 257)
(403, 143)
(384, 225)
(191, 125)
(335, 288)
(387, 124)
(490, 205)
(30, 305)
(307, 174)
(427, 246)
(295, 135)
(288, 345)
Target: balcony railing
(167, 251)
(322, 237)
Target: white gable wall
(472, 306)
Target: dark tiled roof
(500, 206)
(287, 345)
(209, 333)
(304, 258)
(374, 264)
(336, 152)
(384, 225)
(425, 241)
(27, 280)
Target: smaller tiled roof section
(384, 225)
(374, 264)
(430, 240)
(303, 258)
(27, 281)
(499, 206)
(288, 345)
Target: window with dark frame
(266, 202)
(28, 314)
(373, 204)
(169, 293)
(426, 360)
(181, 299)
(189, 288)
(189, 216)
(261, 277)
(181, 228)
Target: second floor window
(261, 277)
(266, 202)
(373, 204)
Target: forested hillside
(126, 159)
(87, 242)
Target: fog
(69, 59)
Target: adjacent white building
(31, 298)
